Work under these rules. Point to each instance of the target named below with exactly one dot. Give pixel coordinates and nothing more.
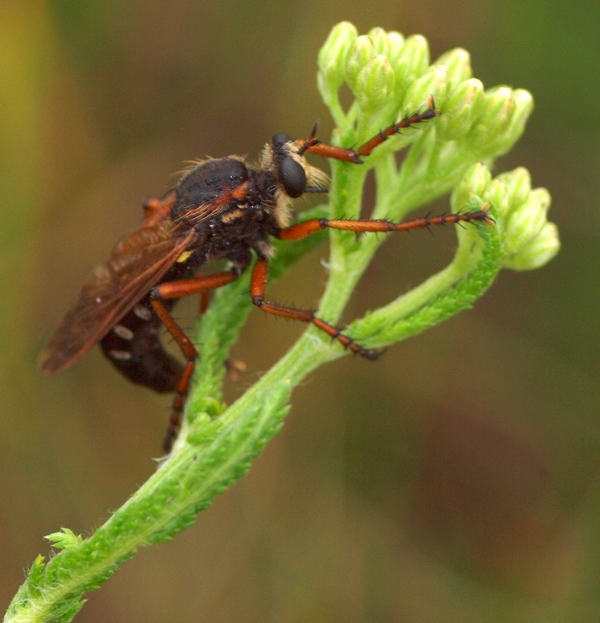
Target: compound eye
(293, 177)
(282, 139)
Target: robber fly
(221, 208)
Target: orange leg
(260, 274)
(313, 146)
(173, 290)
(302, 230)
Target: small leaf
(65, 539)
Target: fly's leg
(156, 210)
(260, 274)
(307, 228)
(174, 290)
(314, 146)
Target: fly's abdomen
(133, 346)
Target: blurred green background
(455, 480)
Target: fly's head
(283, 158)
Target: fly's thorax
(208, 187)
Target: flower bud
(334, 54)
(380, 41)
(374, 84)
(396, 44)
(493, 120)
(474, 183)
(537, 252)
(410, 64)
(523, 106)
(434, 82)
(458, 64)
(527, 221)
(518, 186)
(358, 58)
(497, 195)
(461, 107)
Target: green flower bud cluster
(529, 240)
(378, 67)
(390, 76)
(500, 122)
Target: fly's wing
(137, 264)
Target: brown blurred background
(456, 480)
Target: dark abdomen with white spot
(133, 345)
